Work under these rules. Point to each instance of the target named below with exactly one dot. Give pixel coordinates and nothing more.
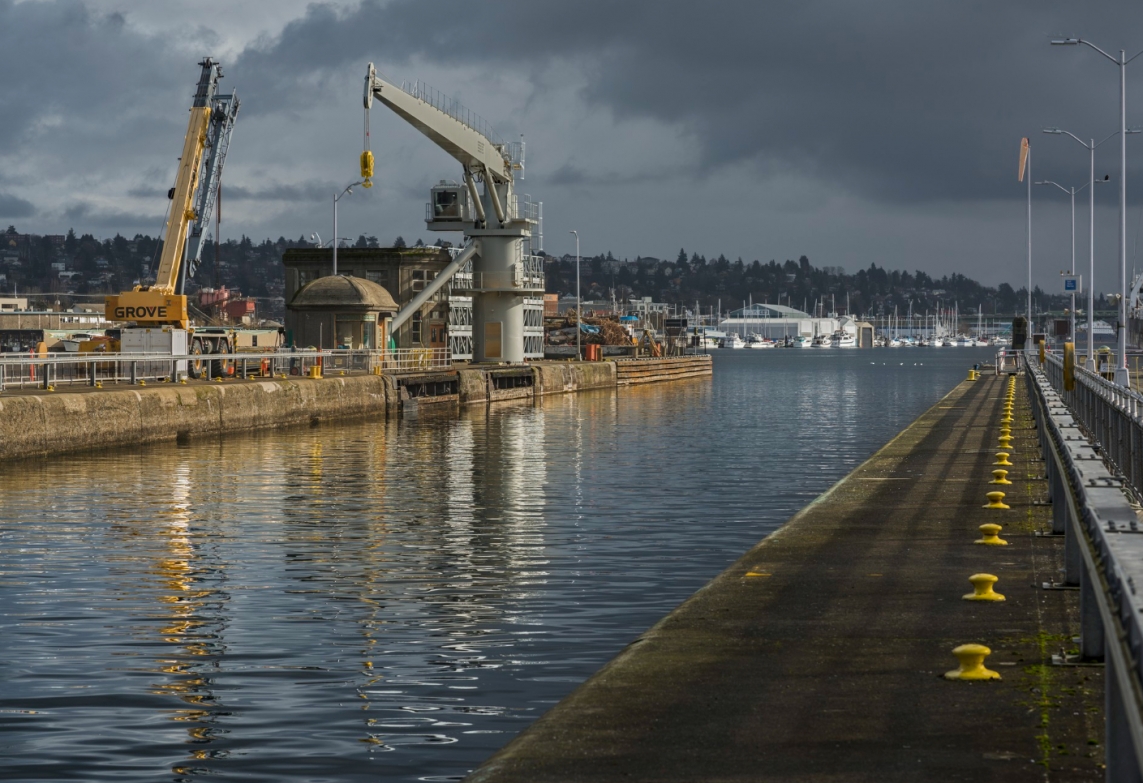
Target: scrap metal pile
(596, 331)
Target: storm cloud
(853, 133)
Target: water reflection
(372, 601)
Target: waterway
(366, 602)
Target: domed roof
(341, 292)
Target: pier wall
(44, 424)
(821, 654)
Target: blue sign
(1070, 285)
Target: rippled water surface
(371, 601)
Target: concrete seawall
(55, 423)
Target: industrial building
(777, 321)
(445, 320)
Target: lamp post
(1072, 192)
(337, 198)
(1121, 375)
(578, 305)
(1090, 147)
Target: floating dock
(820, 655)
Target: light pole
(578, 305)
(1071, 192)
(1090, 147)
(337, 198)
(1121, 375)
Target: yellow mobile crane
(158, 312)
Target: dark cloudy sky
(849, 132)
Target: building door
(438, 334)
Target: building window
(416, 328)
(380, 277)
(419, 276)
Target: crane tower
(507, 279)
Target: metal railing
(1102, 556)
(47, 371)
(455, 109)
(1111, 414)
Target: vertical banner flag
(1023, 156)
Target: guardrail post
(91, 374)
(243, 369)
(1, 377)
(47, 375)
(1122, 761)
(1091, 623)
(134, 373)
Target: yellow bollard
(1002, 459)
(972, 375)
(982, 588)
(971, 659)
(1000, 476)
(995, 500)
(991, 535)
(142, 382)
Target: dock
(820, 655)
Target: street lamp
(348, 189)
(578, 305)
(1072, 192)
(1090, 147)
(1121, 375)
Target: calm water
(366, 602)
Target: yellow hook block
(971, 659)
(982, 588)
(1005, 442)
(1002, 459)
(1000, 476)
(991, 534)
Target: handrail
(1101, 554)
(94, 369)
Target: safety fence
(47, 371)
(1110, 413)
(1103, 550)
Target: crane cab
(448, 208)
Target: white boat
(895, 343)
(821, 341)
(733, 341)
(843, 339)
(964, 341)
(758, 341)
(802, 341)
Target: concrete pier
(37, 423)
(819, 655)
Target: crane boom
(224, 111)
(162, 303)
(474, 150)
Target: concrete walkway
(818, 655)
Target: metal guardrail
(46, 371)
(1103, 555)
(1111, 414)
